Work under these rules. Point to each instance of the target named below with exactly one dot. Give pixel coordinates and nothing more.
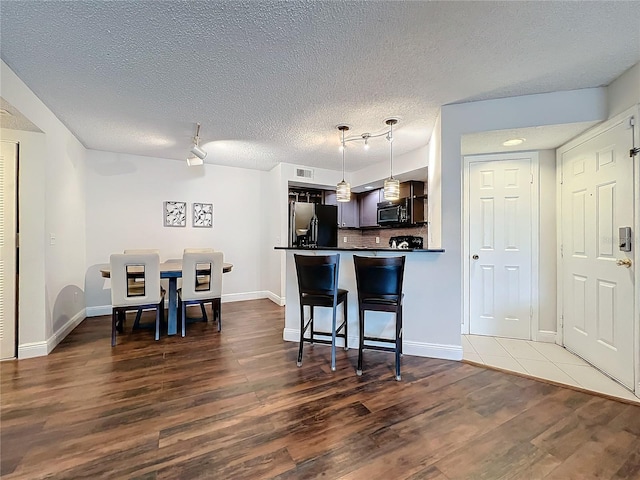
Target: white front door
(500, 232)
(7, 250)
(597, 298)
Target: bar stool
(379, 283)
(318, 287)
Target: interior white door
(7, 250)
(500, 246)
(597, 199)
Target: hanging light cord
(342, 155)
(391, 145)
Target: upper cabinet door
(369, 208)
(350, 216)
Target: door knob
(624, 263)
(475, 257)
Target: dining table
(172, 271)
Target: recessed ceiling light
(368, 187)
(4, 112)
(513, 142)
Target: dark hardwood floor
(233, 405)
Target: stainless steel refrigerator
(313, 225)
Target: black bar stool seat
(379, 283)
(318, 287)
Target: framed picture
(175, 214)
(203, 215)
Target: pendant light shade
(391, 185)
(391, 189)
(343, 189)
(343, 192)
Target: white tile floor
(544, 360)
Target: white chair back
(127, 266)
(203, 265)
(198, 250)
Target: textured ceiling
(269, 81)
(535, 138)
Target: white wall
(547, 261)
(624, 92)
(446, 171)
(125, 195)
(52, 201)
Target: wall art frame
(203, 215)
(175, 214)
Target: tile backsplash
(367, 238)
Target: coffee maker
(302, 237)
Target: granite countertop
(364, 249)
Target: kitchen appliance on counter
(312, 225)
(404, 242)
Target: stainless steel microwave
(393, 212)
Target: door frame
(535, 236)
(633, 112)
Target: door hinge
(531, 179)
(561, 321)
(562, 251)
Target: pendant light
(391, 185)
(343, 189)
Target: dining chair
(201, 284)
(201, 278)
(127, 295)
(379, 284)
(137, 251)
(318, 287)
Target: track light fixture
(391, 185)
(199, 153)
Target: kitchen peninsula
(420, 328)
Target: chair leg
(114, 320)
(333, 339)
(183, 311)
(311, 336)
(158, 307)
(398, 341)
(136, 323)
(204, 313)
(361, 340)
(344, 319)
(218, 309)
(301, 335)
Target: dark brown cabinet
(414, 192)
(369, 208)
(347, 211)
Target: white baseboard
(40, 349)
(65, 330)
(417, 349)
(432, 350)
(31, 350)
(276, 299)
(98, 311)
(229, 297)
(241, 297)
(546, 336)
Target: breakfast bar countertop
(364, 249)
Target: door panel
(500, 236)
(7, 250)
(597, 199)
